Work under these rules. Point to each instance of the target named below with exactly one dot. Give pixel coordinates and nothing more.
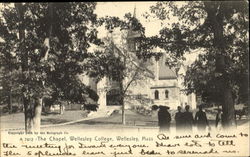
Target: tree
(7, 81)
(219, 28)
(43, 37)
(119, 65)
(116, 61)
(202, 79)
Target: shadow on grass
(53, 121)
(91, 122)
(49, 113)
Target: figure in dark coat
(179, 119)
(188, 120)
(164, 118)
(201, 119)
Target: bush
(142, 109)
(5, 109)
(15, 109)
(91, 107)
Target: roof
(137, 62)
(157, 87)
(165, 72)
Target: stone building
(167, 88)
(163, 85)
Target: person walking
(164, 118)
(179, 119)
(188, 120)
(201, 120)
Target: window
(156, 94)
(166, 94)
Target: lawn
(132, 119)
(16, 120)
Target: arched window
(166, 94)
(156, 94)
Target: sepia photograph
(124, 78)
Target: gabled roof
(137, 62)
(166, 73)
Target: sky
(119, 9)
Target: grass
(131, 117)
(16, 120)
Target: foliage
(194, 29)
(73, 30)
(113, 59)
(203, 79)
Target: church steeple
(134, 15)
(133, 35)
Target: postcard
(124, 79)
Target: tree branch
(130, 82)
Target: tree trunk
(216, 17)
(32, 111)
(39, 100)
(61, 108)
(9, 89)
(37, 111)
(122, 101)
(37, 115)
(228, 109)
(10, 101)
(27, 115)
(24, 65)
(123, 110)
